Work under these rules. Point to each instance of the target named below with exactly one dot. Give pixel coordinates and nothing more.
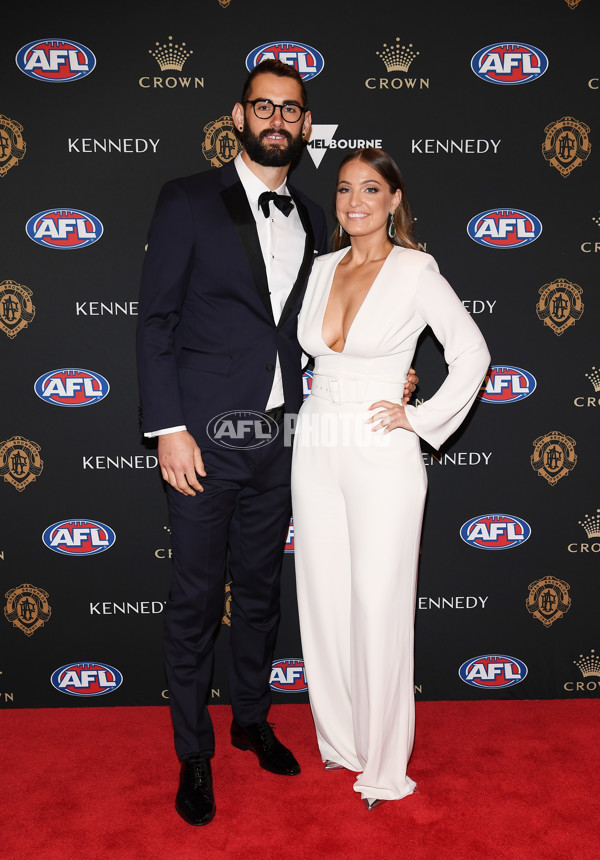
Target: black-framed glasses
(265, 108)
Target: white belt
(353, 390)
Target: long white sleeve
(465, 352)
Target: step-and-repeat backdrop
(496, 140)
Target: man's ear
(237, 115)
(306, 124)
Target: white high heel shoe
(373, 802)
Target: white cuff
(154, 433)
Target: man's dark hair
(274, 67)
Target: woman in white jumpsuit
(358, 489)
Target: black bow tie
(283, 203)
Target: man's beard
(269, 155)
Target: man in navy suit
(222, 286)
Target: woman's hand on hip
(390, 416)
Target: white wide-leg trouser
(358, 499)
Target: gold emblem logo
(559, 305)
(170, 57)
(226, 618)
(567, 144)
(548, 599)
(553, 456)
(27, 608)
(397, 57)
(225, 3)
(16, 308)
(12, 145)
(572, 4)
(20, 462)
(589, 666)
(220, 144)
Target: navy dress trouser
(239, 522)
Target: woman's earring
(391, 226)
(340, 231)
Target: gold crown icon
(397, 58)
(594, 378)
(591, 524)
(170, 56)
(590, 665)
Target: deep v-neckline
(360, 307)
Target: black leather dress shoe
(195, 801)
(260, 738)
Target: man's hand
(180, 462)
(412, 380)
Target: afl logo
(86, 679)
(289, 541)
(287, 676)
(509, 63)
(79, 537)
(307, 61)
(64, 229)
(493, 671)
(504, 228)
(57, 61)
(242, 429)
(307, 379)
(495, 531)
(71, 387)
(506, 384)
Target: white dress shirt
(282, 241)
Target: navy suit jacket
(207, 341)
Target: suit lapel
(240, 213)
(236, 203)
(309, 246)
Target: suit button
(270, 367)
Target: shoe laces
(266, 733)
(199, 772)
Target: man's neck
(273, 177)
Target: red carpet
(502, 779)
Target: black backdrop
(103, 144)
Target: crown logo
(397, 58)
(594, 378)
(170, 56)
(591, 524)
(588, 666)
(596, 220)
